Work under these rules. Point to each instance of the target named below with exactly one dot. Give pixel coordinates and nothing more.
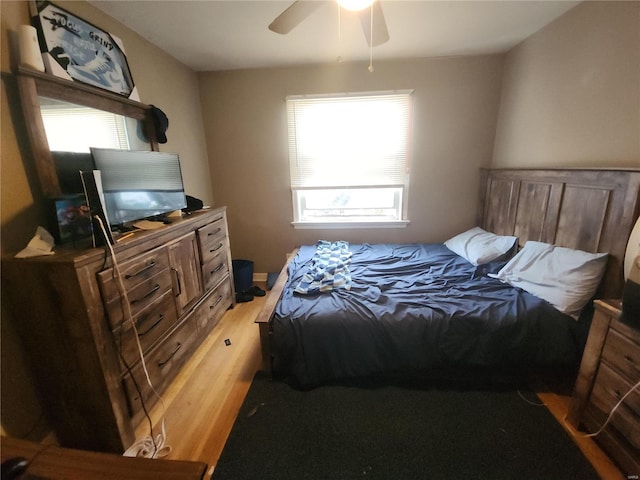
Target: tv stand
(83, 346)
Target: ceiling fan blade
(380, 32)
(293, 15)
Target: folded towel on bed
(329, 269)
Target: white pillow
(478, 246)
(564, 277)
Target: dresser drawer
(211, 310)
(140, 297)
(151, 323)
(163, 364)
(212, 239)
(623, 354)
(215, 269)
(608, 389)
(612, 441)
(133, 272)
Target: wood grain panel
(582, 217)
(37, 137)
(531, 215)
(500, 192)
(185, 264)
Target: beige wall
(161, 80)
(571, 94)
(454, 113)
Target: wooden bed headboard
(590, 210)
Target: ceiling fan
(369, 11)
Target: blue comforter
(415, 306)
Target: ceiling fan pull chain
(371, 43)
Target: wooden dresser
(55, 463)
(75, 321)
(610, 367)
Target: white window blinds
(76, 128)
(349, 141)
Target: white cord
(148, 447)
(606, 422)
(542, 404)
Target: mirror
(39, 91)
(75, 128)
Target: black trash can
(242, 275)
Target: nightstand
(610, 367)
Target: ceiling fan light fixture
(355, 5)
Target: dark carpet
(392, 431)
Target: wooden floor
(201, 405)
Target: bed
(437, 307)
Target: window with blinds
(93, 128)
(349, 158)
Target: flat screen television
(139, 184)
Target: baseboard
(259, 277)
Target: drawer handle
(146, 295)
(217, 248)
(162, 364)
(215, 233)
(631, 361)
(217, 269)
(176, 274)
(217, 302)
(141, 271)
(157, 322)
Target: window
(349, 158)
(93, 128)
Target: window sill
(352, 225)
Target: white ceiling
(211, 35)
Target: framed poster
(72, 218)
(75, 49)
